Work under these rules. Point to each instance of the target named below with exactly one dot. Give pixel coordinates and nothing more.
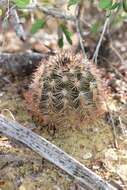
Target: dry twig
(77, 14)
(100, 40)
(14, 19)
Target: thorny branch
(58, 14)
(12, 15)
(46, 10)
(95, 56)
(78, 28)
(14, 18)
(113, 126)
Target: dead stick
(84, 176)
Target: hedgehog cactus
(64, 91)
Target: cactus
(64, 91)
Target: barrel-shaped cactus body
(65, 91)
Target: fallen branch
(56, 13)
(20, 63)
(84, 176)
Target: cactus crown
(65, 90)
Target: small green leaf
(60, 42)
(125, 5)
(72, 2)
(115, 5)
(94, 27)
(1, 12)
(105, 4)
(21, 3)
(67, 33)
(39, 23)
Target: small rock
(122, 171)
(123, 48)
(96, 167)
(30, 125)
(87, 156)
(56, 188)
(1, 94)
(110, 154)
(123, 154)
(22, 187)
